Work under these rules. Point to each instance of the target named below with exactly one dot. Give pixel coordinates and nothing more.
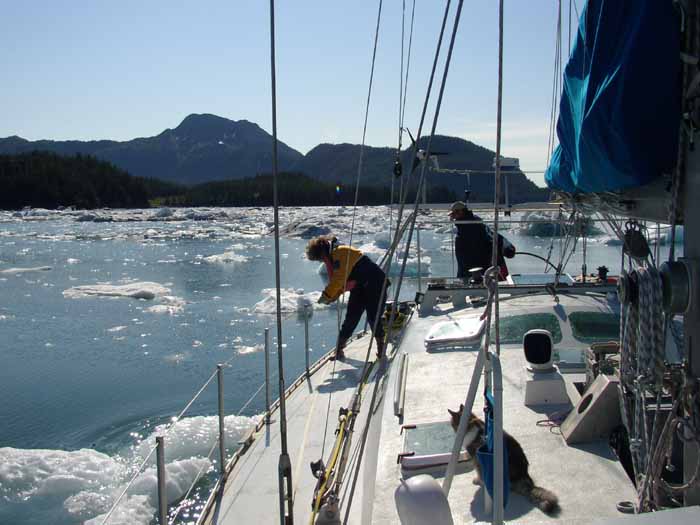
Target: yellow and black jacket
(340, 265)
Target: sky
(78, 69)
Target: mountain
(202, 148)
(210, 148)
(338, 163)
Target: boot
(339, 354)
(380, 346)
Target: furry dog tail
(543, 499)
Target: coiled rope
(650, 343)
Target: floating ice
(162, 213)
(612, 241)
(225, 258)
(137, 290)
(45, 486)
(170, 304)
(194, 436)
(242, 350)
(291, 300)
(12, 271)
(382, 240)
(54, 475)
(411, 267)
(305, 230)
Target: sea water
(110, 321)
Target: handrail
(153, 449)
(160, 444)
(462, 429)
(196, 480)
(400, 385)
(498, 459)
(497, 382)
(315, 367)
(488, 219)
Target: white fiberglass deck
(251, 490)
(588, 479)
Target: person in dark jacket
(350, 270)
(473, 243)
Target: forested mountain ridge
(48, 180)
(206, 148)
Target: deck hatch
(514, 327)
(428, 445)
(594, 327)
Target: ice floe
(411, 266)
(137, 290)
(225, 258)
(291, 301)
(81, 485)
(169, 304)
(14, 271)
(242, 350)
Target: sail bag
(619, 113)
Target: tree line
(46, 180)
(294, 189)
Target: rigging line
(408, 64)
(398, 149)
(364, 129)
(378, 382)
(328, 410)
(552, 112)
(403, 191)
(404, 194)
(341, 301)
(414, 149)
(402, 104)
(286, 495)
(403, 38)
(497, 186)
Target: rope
(328, 411)
(650, 344)
(414, 149)
(341, 302)
(403, 91)
(448, 59)
(556, 83)
(497, 186)
(408, 63)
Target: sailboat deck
(588, 479)
(250, 493)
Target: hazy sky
(77, 69)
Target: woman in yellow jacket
(349, 270)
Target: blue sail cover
(620, 107)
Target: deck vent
(538, 350)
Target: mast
(691, 252)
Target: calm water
(86, 381)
